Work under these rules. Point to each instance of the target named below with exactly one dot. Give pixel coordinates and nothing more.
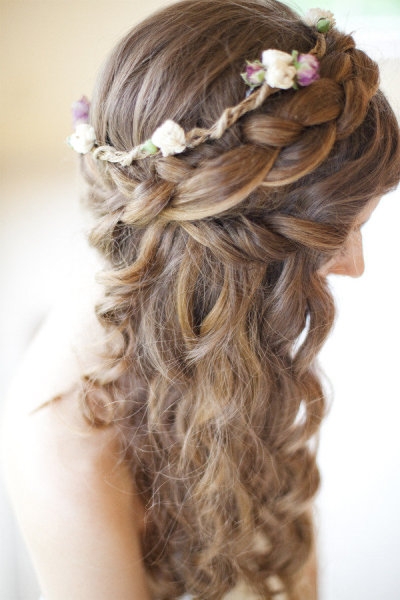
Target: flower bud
(307, 66)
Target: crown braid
(198, 136)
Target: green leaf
(149, 147)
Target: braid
(277, 149)
(198, 136)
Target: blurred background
(50, 53)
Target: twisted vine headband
(275, 71)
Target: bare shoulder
(72, 491)
(66, 344)
(77, 506)
(43, 422)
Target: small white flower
(280, 71)
(270, 57)
(280, 76)
(316, 14)
(83, 139)
(170, 138)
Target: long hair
(213, 302)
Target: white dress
(240, 592)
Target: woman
(173, 454)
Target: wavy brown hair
(213, 301)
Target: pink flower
(307, 66)
(254, 74)
(80, 111)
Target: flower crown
(275, 71)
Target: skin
(83, 520)
(74, 498)
(350, 260)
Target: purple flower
(254, 74)
(80, 111)
(307, 66)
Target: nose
(350, 260)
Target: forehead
(368, 209)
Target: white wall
(360, 444)
(53, 50)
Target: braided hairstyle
(213, 300)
